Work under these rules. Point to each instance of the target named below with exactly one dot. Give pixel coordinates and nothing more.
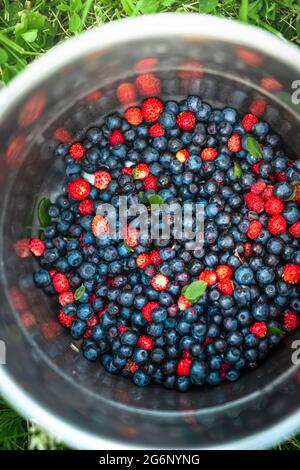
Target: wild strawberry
(37, 246)
(122, 328)
(255, 167)
(258, 187)
(60, 282)
(247, 249)
(186, 120)
(147, 310)
(127, 170)
(267, 193)
(223, 272)
(277, 224)
(145, 342)
(291, 320)
(254, 202)
(209, 277)
(65, 320)
(234, 143)
(143, 260)
(77, 151)
(248, 122)
(183, 367)
(100, 225)
(159, 282)
(254, 229)
(86, 207)
(259, 329)
(140, 171)
(291, 273)
(130, 235)
(150, 182)
(279, 176)
(209, 154)
(274, 205)
(126, 93)
(155, 257)
(52, 273)
(156, 130)
(131, 366)
(226, 286)
(183, 303)
(102, 179)
(295, 229)
(79, 189)
(66, 298)
(93, 321)
(116, 138)
(182, 155)
(148, 84)
(134, 116)
(223, 369)
(152, 109)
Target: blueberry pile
(153, 310)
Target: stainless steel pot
(69, 88)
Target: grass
(30, 28)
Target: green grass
(30, 28)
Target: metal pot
(67, 90)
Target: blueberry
(77, 328)
(265, 275)
(244, 275)
(84, 311)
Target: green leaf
(298, 27)
(155, 199)
(74, 23)
(42, 212)
(128, 248)
(79, 292)
(253, 147)
(237, 170)
(194, 291)
(142, 198)
(206, 6)
(273, 330)
(63, 7)
(243, 13)
(128, 7)
(30, 36)
(146, 7)
(294, 193)
(3, 56)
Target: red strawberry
(102, 179)
(234, 143)
(226, 286)
(148, 84)
(248, 121)
(130, 236)
(60, 282)
(145, 342)
(150, 182)
(159, 282)
(37, 246)
(277, 224)
(209, 277)
(143, 260)
(254, 202)
(156, 130)
(274, 205)
(77, 151)
(182, 155)
(152, 109)
(127, 170)
(186, 120)
(66, 298)
(65, 320)
(223, 272)
(147, 310)
(134, 116)
(155, 257)
(209, 154)
(259, 329)
(131, 366)
(79, 189)
(86, 207)
(258, 106)
(183, 303)
(99, 225)
(291, 273)
(183, 367)
(258, 187)
(291, 320)
(267, 193)
(116, 138)
(140, 171)
(295, 229)
(255, 167)
(254, 229)
(126, 93)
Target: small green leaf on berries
(79, 292)
(237, 170)
(155, 200)
(42, 211)
(273, 330)
(294, 193)
(253, 147)
(128, 248)
(192, 292)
